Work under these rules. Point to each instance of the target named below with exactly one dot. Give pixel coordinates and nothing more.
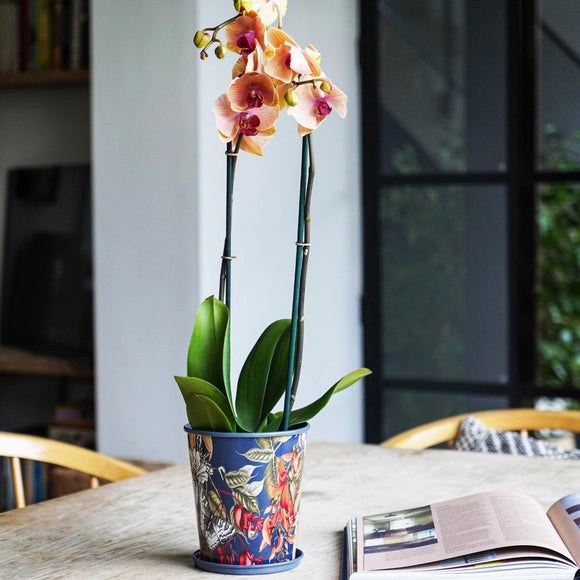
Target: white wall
(145, 221)
(159, 188)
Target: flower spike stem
(225, 286)
(301, 266)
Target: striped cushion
(475, 436)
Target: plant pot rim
(302, 428)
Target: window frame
(520, 180)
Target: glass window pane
(441, 85)
(443, 283)
(407, 408)
(559, 85)
(558, 285)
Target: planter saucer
(247, 570)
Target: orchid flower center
(254, 98)
(249, 124)
(323, 107)
(247, 42)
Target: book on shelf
(8, 36)
(43, 35)
(497, 535)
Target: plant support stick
(225, 287)
(302, 252)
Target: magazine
(492, 535)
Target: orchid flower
(286, 60)
(252, 90)
(256, 125)
(245, 34)
(314, 105)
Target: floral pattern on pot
(247, 494)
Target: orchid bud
(325, 87)
(201, 39)
(238, 5)
(220, 51)
(291, 98)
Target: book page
(565, 517)
(444, 530)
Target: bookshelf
(15, 361)
(44, 121)
(44, 78)
(44, 42)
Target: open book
(492, 535)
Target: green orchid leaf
(197, 386)
(299, 416)
(208, 356)
(204, 413)
(263, 376)
(276, 385)
(273, 422)
(192, 387)
(304, 414)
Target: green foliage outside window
(423, 252)
(558, 266)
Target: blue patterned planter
(247, 498)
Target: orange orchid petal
(252, 90)
(339, 101)
(289, 60)
(245, 33)
(277, 66)
(267, 115)
(313, 57)
(240, 67)
(304, 112)
(256, 143)
(258, 127)
(225, 118)
(299, 61)
(277, 37)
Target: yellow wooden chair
(522, 420)
(96, 465)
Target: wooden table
(145, 527)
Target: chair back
(98, 466)
(446, 430)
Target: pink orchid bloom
(256, 125)
(252, 90)
(245, 33)
(286, 60)
(314, 105)
(268, 10)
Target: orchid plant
(272, 73)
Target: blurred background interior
(470, 211)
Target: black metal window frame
(520, 180)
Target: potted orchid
(246, 454)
